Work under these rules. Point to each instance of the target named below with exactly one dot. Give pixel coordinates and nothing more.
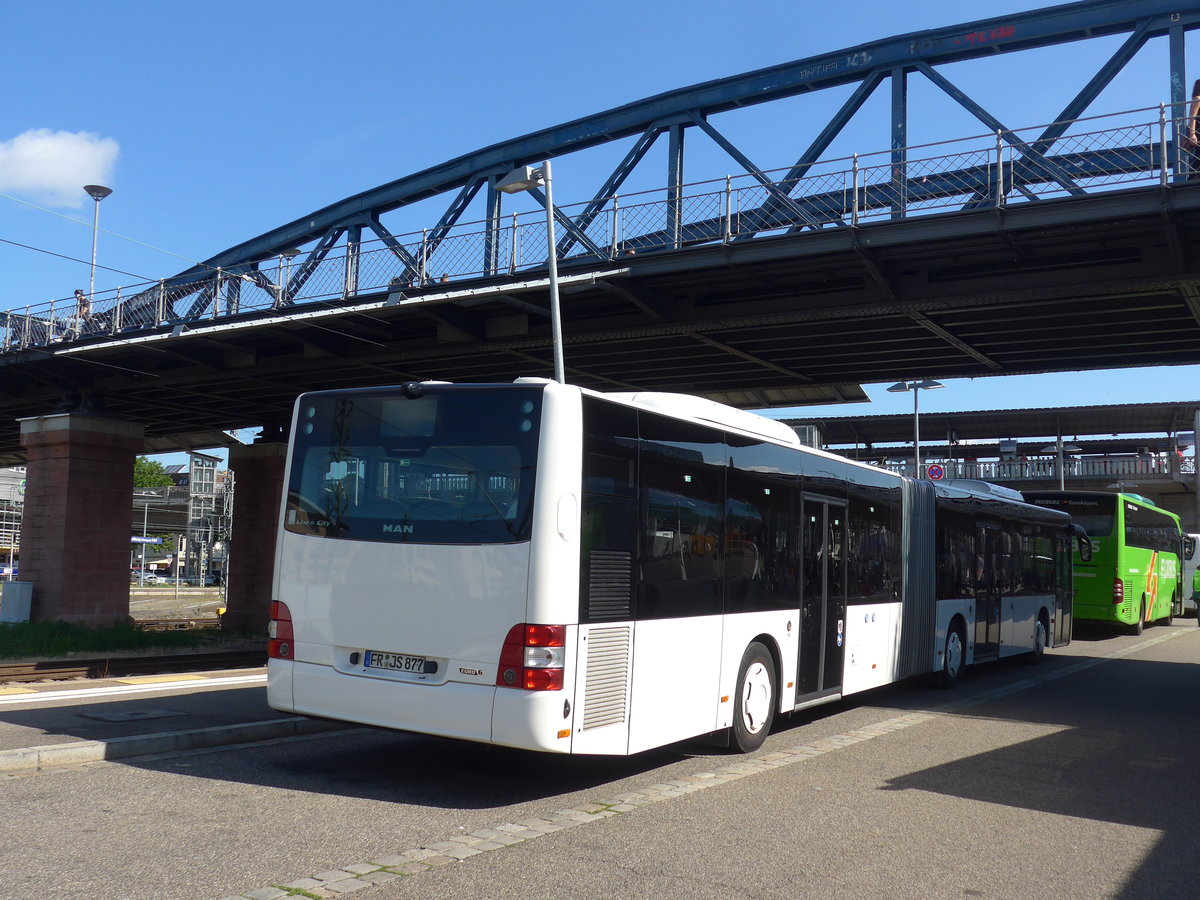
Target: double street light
(527, 178)
(1058, 448)
(916, 387)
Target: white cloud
(53, 166)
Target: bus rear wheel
(1039, 641)
(954, 657)
(755, 701)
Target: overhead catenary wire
(115, 234)
(72, 259)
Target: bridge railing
(1155, 467)
(1129, 149)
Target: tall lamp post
(1058, 448)
(146, 496)
(916, 387)
(527, 178)
(97, 192)
(285, 273)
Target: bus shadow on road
(417, 770)
(1123, 751)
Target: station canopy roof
(992, 425)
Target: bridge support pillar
(257, 492)
(78, 516)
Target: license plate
(395, 662)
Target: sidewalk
(68, 723)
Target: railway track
(118, 666)
(179, 623)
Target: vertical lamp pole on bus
(916, 387)
(97, 192)
(527, 178)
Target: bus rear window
(1095, 513)
(454, 465)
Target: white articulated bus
(542, 566)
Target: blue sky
(215, 121)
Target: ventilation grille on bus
(606, 683)
(610, 581)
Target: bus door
(1064, 592)
(987, 591)
(823, 598)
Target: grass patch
(57, 640)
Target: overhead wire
(73, 259)
(115, 234)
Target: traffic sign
(146, 540)
(936, 472)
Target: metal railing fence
(1156, 467)
(1128, 149)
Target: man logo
(397, 529)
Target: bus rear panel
(1133, 575)
(405, 560)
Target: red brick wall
(78, 516)
(257, 494)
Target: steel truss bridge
(1059, 247)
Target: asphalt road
(1073, 779)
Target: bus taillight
(1118, 592)
(279, 632)
(532, 658)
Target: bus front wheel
(1170, 616)
(1140, 624)
(754, 703)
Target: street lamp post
(285, 273)
(145, 522)
(526, 178)
(916, 387)
(97, 192)
(1058, 448)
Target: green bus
(1134, 574)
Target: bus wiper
(494, 505)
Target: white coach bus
(542, 566)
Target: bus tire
(1170, 616)
(1140, 624)
(954, 659)
(1040, 633)
(755, 700)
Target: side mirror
(1189, 547)
(1085, 548)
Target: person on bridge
(83, 311)
(1189, 138)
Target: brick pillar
(78, 516)
(257, 493)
